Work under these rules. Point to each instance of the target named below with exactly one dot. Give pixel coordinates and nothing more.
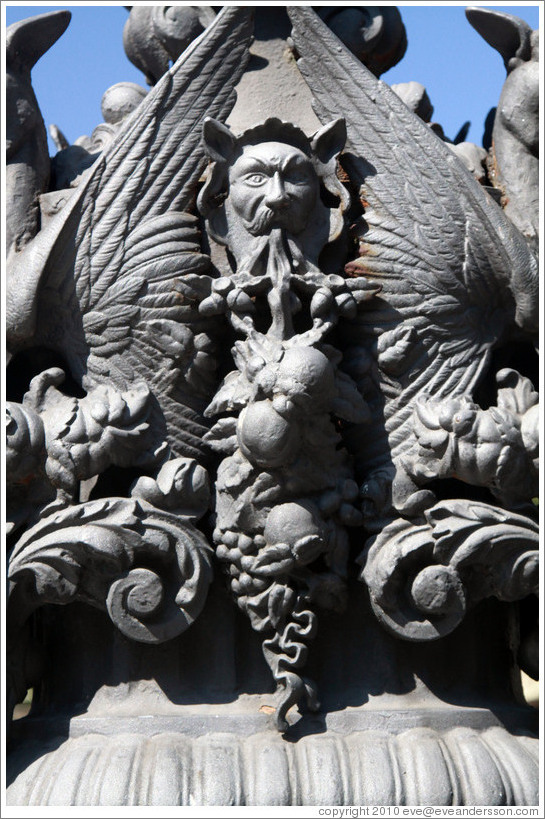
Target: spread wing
(122, 283)
(456, 274)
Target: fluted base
(418, 766)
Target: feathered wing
(455, 273)
(122, 283)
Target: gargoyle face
(268, 180)
(273, 184)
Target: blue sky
(462, 73)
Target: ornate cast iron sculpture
(295, 361)
(121, 275)
(474, 276)
(27, 159)
(285, 491)
(513, 160)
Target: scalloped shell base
(418, 766)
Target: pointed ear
(28, 40)
(329, 140)
(509, 35)
(219, 142)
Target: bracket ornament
(109, 286)
(423, 577)
(147, 565)
(458, 281)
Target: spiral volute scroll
(420, 575)
(150, 569)
(414, 596)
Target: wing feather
(454, 270)
(128, 253)
(421, 205)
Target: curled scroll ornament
(149, 569)
(423, 577)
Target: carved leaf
(99, 553)
(234, 393)
(223, 436)
(516, 393)
(469, 534)
(422, 577)
(280, 603)
(273, 561)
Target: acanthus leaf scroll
(148, 568)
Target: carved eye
(255, 179)
(463, 421)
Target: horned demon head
(272, 177)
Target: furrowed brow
(295, 159)
(248, 163)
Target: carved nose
(276, 195)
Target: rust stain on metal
(358, 268)
(267, 709)
(343, 176)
